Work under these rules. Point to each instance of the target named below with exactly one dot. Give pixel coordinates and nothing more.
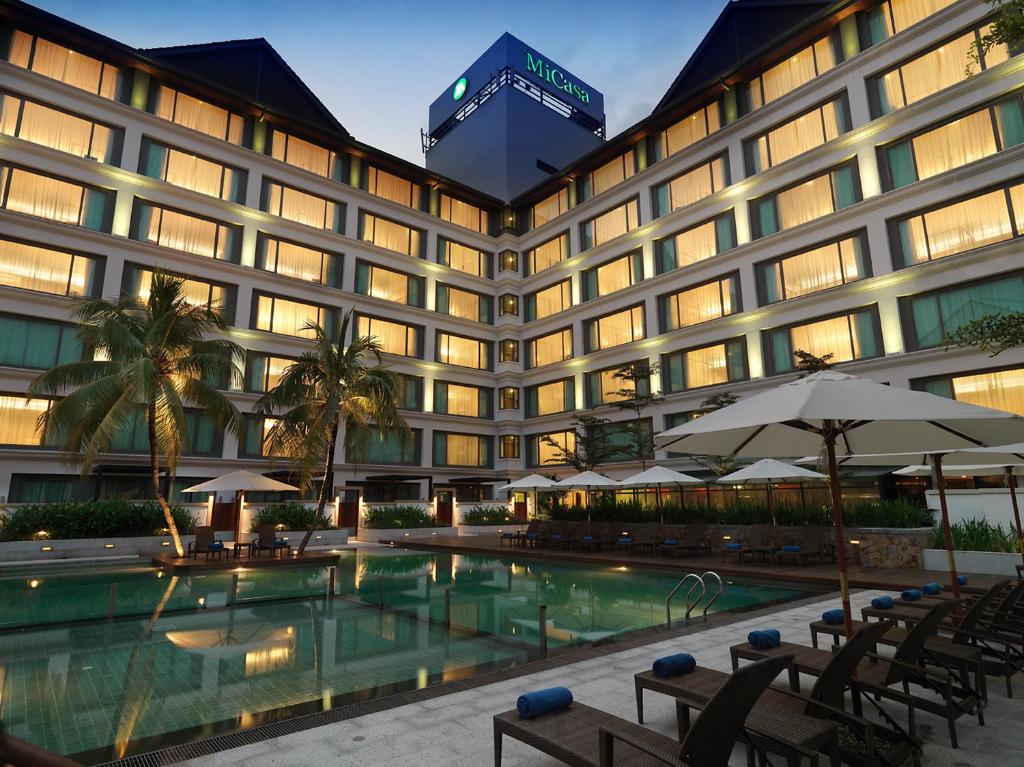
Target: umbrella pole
(837, 522)
(1011, 482)
(661, 514)
(771, 504)
(947, 534)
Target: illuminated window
(548, 254)
(303, 154)
(26, 342)
(508, 261)
(137, 281)
(275, 314)
(186, 232)
(391, 235)
(300, 262)
(617, 274)
(63, 131)
(806, 201)
(55, 199)
(549, 208)
(193, 172)
(549, 349)
(63, 64)
(508, 398)
(996, 389)
(550, 449)
(467, 304)
(702, 303)
(847, 337)
(614, 329)
(199, 115)
(695, 244)
(468, 450)
(928, 318)
(386, 449)
(391, 187)
(609, 225)
(263, 371)
(464, 258)
(508, 305)
(463, 214)
(508, 351)
(302, 207)
(508, 446)
(794, 71)
(388, 285)
(462, 351)
(894, 16)
(549, 398)
(550, 300)
(19, 420)
(687, 131)
(810, 271)
(705, 366)
(392, 337)
(462, 399)
(46, 270)
(800, 134)
(412, 393)
(691, 186)
(606, 386)
(609, 175)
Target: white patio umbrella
(842, 415)
(658, 477)
(587, 480)
(238, 482)
(534, 482)
(764, 472)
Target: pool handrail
(668, 600)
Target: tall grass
(979, 535)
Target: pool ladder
(698, 583)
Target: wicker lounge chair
(697, 539)
(672, 541)
(205, 543)
(758, 538)
(815, 543)
(268, 541)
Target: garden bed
(376, 534)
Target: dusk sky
(378, 65)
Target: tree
(994, 333)
(719, 464)
(592, 446)
(808, 363)
(330, 385)
(152, 361)
(631, 397)
(1007, 28)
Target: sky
(378, 64)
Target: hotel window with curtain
(55, 199)
(508, 305)
(202, 436)
(186, 232)
(397, 338)
(603, 387)
(388, 285)
(26, 342)
(893, 16)
(611, 276)
(465, 450)
(19, 421)
(275, 314)
(255, 441)
(300, 262)
(929, 317)
(800, 134)
(548, 301)
(695, 244)
(550, 208)
(44, 269)
(1001, 389)
(508, 398)
(957, 227)
(550, 398)
(549, 349)
(302, 207)
(391, 187)
(386, 449)
(703, 303)
(188, 111)
(616, 329)
(54, 128)
(391, 235)
(508, 261)
(547, 254)
(847, 337)
(810, 271)
(610, 224)
(692, 185)
(465, 304)
(627, 439)
(303, 154)
(508, 446)
(263, 371)
(702, 366)
(137, 283)
(609, 175)
(930, 72)
(463, 399)
(540, 451)
(190, 171)
(462, 352)
(972, 137)
(687, 131)
(508, 350)
(412, 393)
(465, 259)
(65, 65)
(463, 214)
(792, 72)
(806, 201)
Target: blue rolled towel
(674, 665)
(556, 536)
(931, 589)
(962, 580)
(279, 542)
(910, 595)
(670, 542)
(833, 617)
(625, 540)
(533, 704)
(216, 546)
(791, 549)
(533, 535)
(764, 639)
(588, 537)
(734, 546)
(882, 603)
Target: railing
(696, 582)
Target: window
(302, 154)
(412, 393)
(801, 134)
(55, 199)
(965, 140)
(255, 441)
(806, 201)
(549, 398)
(508, 446)
(19, 421)
(463, 214)
(508, 351)
(186, 232)
(691, 186)
(997, 389)
(63, 64)
(391, 187)
(388, 285)
(627, 439)
(692, 306)
(39, 344)
(389, 449)
(190, 112)
(390, 235)
(508, 305)
(796, 70)
(609, 225)
(462, 351)
(611, 174)
(43, 269)
(392, 337)
(847, 337)
(63, 131)
(463, 399)
(467, 304)
(263, 371)
(695, 244)
(302, 207)
(928, 318)
(464, 258)
(508, 398)
(275, 314)
(958, 227)
(549, 208)
(826, 266)
(550, 300)
(508, 261)
(547, 254)
(202, 436)
(604, 387)
(190, 171)
(687, 131)
(468, 450)
(615, 329)
(617, 274)
(300, 262)
(137, 281)
(549, 349)
(929, 73)
(894, 16)
(711, 365)
(540, 451)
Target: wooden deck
(228, 562)
(824, 575)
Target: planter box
(506, 527)
(393, 534)
(320, 537)
(981, 562)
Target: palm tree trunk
(328, 482)
(154, 468)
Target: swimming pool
(106, 662)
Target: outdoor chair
(757, 538)
(671, 540)
(697, 539)
(647, 536)
(205, 543)
(815, 543)
(626, 538)
(268, 541)
(533, 533)
(593, 535)
(559, 535)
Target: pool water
(109, 662)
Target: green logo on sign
(460, 88)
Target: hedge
(397, 517)
(110, 518)
(488, 515)
(293, 515)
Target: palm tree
(151, 360)
(330, 385)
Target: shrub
(293, 515)
(978, 535)
(398, 517)
(885, 514)
(488, 515)
(109, 518)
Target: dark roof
(254, 70)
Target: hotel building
(819, 177)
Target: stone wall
(888, 547)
